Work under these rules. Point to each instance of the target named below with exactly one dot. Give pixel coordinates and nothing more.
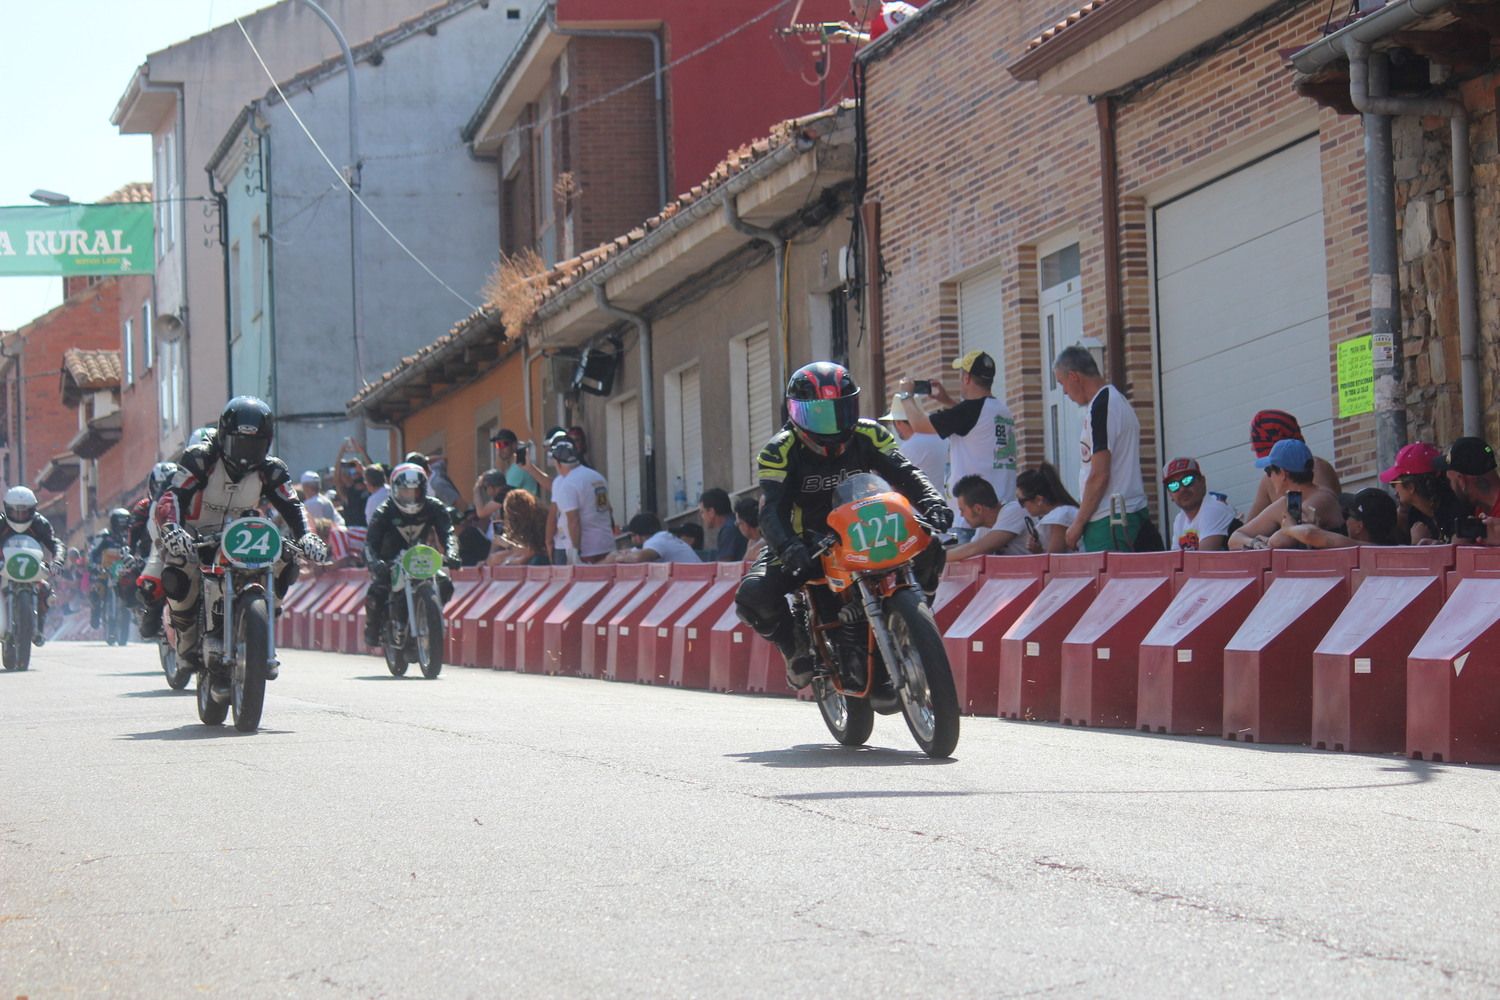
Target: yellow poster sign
(1356, 377)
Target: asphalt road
(489, 834)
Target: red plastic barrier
(654, 635)
(503, 627)
(468, 584)
(348, 638)
(1181, 684)
(345, 595)
(622, 635)
(593, 646)
(530, 657)
(1030, 679)
(473, 625)
(298, 614)
(1268, 661)
(562, 629)
(766, 673)
(1453, 677)
(956, 588)
(729, 651)
(1359, 669)
(692, 631)
(1101, 656)
(1009, 584)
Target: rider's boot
(151, 620)
(372, 630)
(792, 642)
(94, 611)
(39, 637)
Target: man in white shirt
(1202, 520)
(928, 452)
(653, 544)
(375, 483)
(999, 530)
(318, 505)
(979, 428)
(585, 520)
(1111, 452)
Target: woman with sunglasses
(1432, 510)
(1050, 508)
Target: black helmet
(119, 521)
(418, 459)
(822, 403)
(244, 434)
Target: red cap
(1180, 467)
(1420, 459)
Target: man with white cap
(927, 452)
(318, 505)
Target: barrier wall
(1354, 649)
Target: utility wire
(344, 180)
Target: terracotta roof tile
(1066, 23)
(91, 370)
(136, 192)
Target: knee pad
(759, 605)
(150, 588)
(175, 584)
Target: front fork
(871, 598)
(231, 657)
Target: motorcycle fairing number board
(878, 533)
(22, 566)
(251, 543)
(421, 562)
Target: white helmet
(162, 475)
(409, 487)
(20, 507)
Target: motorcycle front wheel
(929, 700)
(395, 652)
(23, 630)
(249, 681)
(850, 720)
(429, 633)
(120, 622)
(210, 712)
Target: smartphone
(1294, 506)
(520, 454)
(921, 387)
(1031, 530)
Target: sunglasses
(1181, 484)
(1028, 499)
(1272, 468)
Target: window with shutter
(758, 387)
(692, 436)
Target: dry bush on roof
(515, 287)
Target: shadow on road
(137, 673)
(201, 732)
(386, 677)
(833, 755)
(156, 693)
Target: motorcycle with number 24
(877, 645)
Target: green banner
(76, 239)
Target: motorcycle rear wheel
(929, 700)
(850, 720)
(430, 636)
(210, 712)
(249, 683)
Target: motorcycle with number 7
(877, 645)
(23, 565)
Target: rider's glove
(175, 540)
(314, 549)
(940, 516)
(58, 564)
(797, 560)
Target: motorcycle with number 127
(877, 645)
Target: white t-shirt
(373, 504)
(1212, 519)
(670, 548)
(584, 490)
(929, 453)
(1011, 518)
(1110, 423)
(981, 436)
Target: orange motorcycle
(878, 648)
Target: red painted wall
(737, 90)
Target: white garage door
(981, 322)
(1242, 315)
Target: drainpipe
(1366, 91)
(529, 358)
(263, 143)
(782, 336)
(1110, 189)
(648, 401)
(221, 201)
(874, 296)
(656, 75)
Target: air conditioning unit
(595, 373)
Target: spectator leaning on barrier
(747, 520)
(1049, 506)
(691, 535)
(998, 530)
(1369, 519)
(927, 452)
(1298, 500)
(1432, 510)
(1203, 520)
(979, 428)
(653, 544)
(1111, 447)
(1266, 428)
(521, 532)
(717, 515)
(1470, 466)
(585, 520)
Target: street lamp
(50, 197)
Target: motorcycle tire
(177, 675)
(25, 628)
(850, 720)
(210, 712)
(430, 639)
(252, 629)
(929, 700)
(395, 652)
(120, 623)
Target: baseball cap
(311, 478)
(976, 363)
(504, 436)
(897, 411)
(1180, 467)
(1288, 453)
(564, 451)
(1416, 459)
(1269, 426)
(1376, 508)
(1470, 456)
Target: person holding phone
(1050, 508)
(1289, 467)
